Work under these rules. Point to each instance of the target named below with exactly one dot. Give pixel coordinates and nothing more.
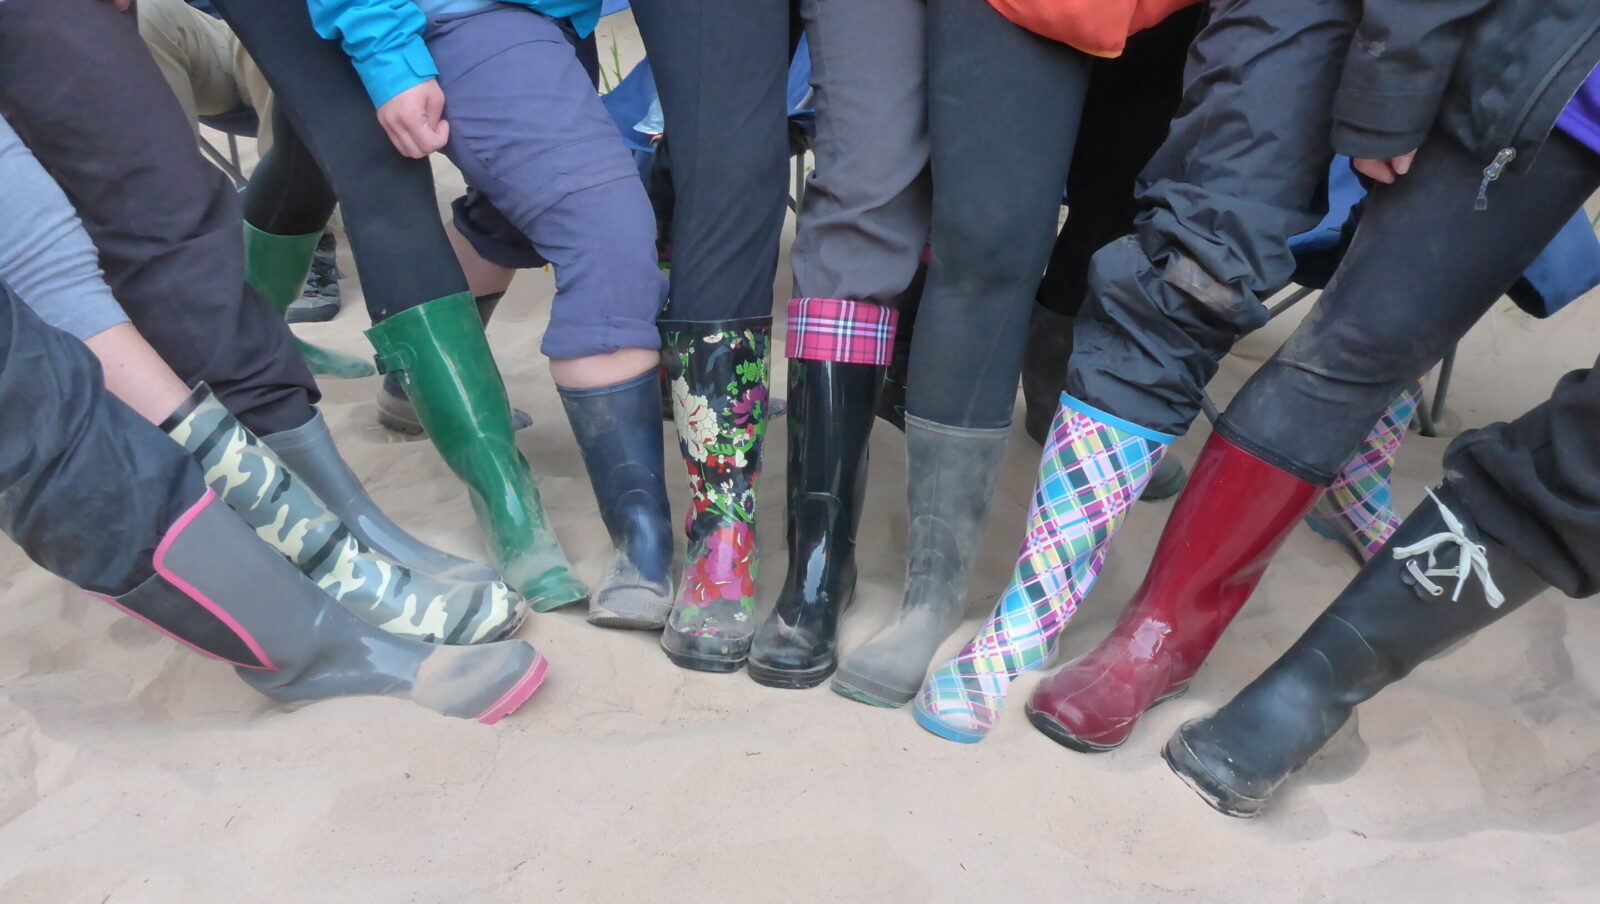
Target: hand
(414, 119)
(1385, 171)
(121, 6)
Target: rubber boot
(439, 353)
(1357, 511)
(718, 372)
(618, 428)
(831, 410)
(1222, 534)
(289, 516)
(951, 475)
(1412, 602)
(309, 452)
(892, 397)
(220, 590)
(1095, 465)
(1044, 378)
(276, 267)
(395, 411)
(320, 299)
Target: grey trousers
(1240, 173)
(864, 220)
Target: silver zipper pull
(1491, 173)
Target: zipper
(1490, 174)
(1506, 155)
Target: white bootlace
(1474, 559)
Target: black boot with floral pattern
(718, 374)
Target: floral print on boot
(718, 373)
(1094, 468)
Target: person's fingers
(400, 136)
(1402, 163)
(121, 6)
(442, 134)
(1377, 170)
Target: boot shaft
(1226, 526)
(618, 429)
(276, 265)
(951, 477)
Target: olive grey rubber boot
(951, 477)
(221, 591)
(285, 513)
(309, 451)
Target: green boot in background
(276, 267)
(438, 352)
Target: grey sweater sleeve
(45, 256)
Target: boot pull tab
(1473, 560)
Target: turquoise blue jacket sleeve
(383, 39)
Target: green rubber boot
(438, 352)
(276, 266)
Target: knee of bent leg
(609, 288)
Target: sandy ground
(134, 771)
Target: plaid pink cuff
(845, 332)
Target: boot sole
(519, 692)
(948, 732)
(1052, 728)
(790, 679)
(1322, 528)
(1184, 764)
(602, 618)
(703, 663)
(847, 686)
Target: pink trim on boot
(841, 331)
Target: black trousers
(87, 487)
(1241, 172)
(328, 145)
(1003, 111)
(79, 87)
(1127, 112)
(721, 67)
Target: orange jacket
(1096, 27)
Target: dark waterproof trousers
(1241, 172)
(79, 86)
(87, 487)
(326, 145)
(1423, 267)
(721, 67)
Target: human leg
(1421, 270)
(857, 243)
(730, 151)
(81, 89)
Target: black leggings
(1130, 105)
(1422, 269)
(327, 144)
(1003, 112)
(721, 67)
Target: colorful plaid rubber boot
(1094, 467)
(1358, 509)
(718, 373)
(1234, 515)
(837, 351)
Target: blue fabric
(384, 37)
(1568, 267)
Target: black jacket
(1495, 74)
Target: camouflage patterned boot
(285, 513)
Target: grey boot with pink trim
(219, 589)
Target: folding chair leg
(1446, 369)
